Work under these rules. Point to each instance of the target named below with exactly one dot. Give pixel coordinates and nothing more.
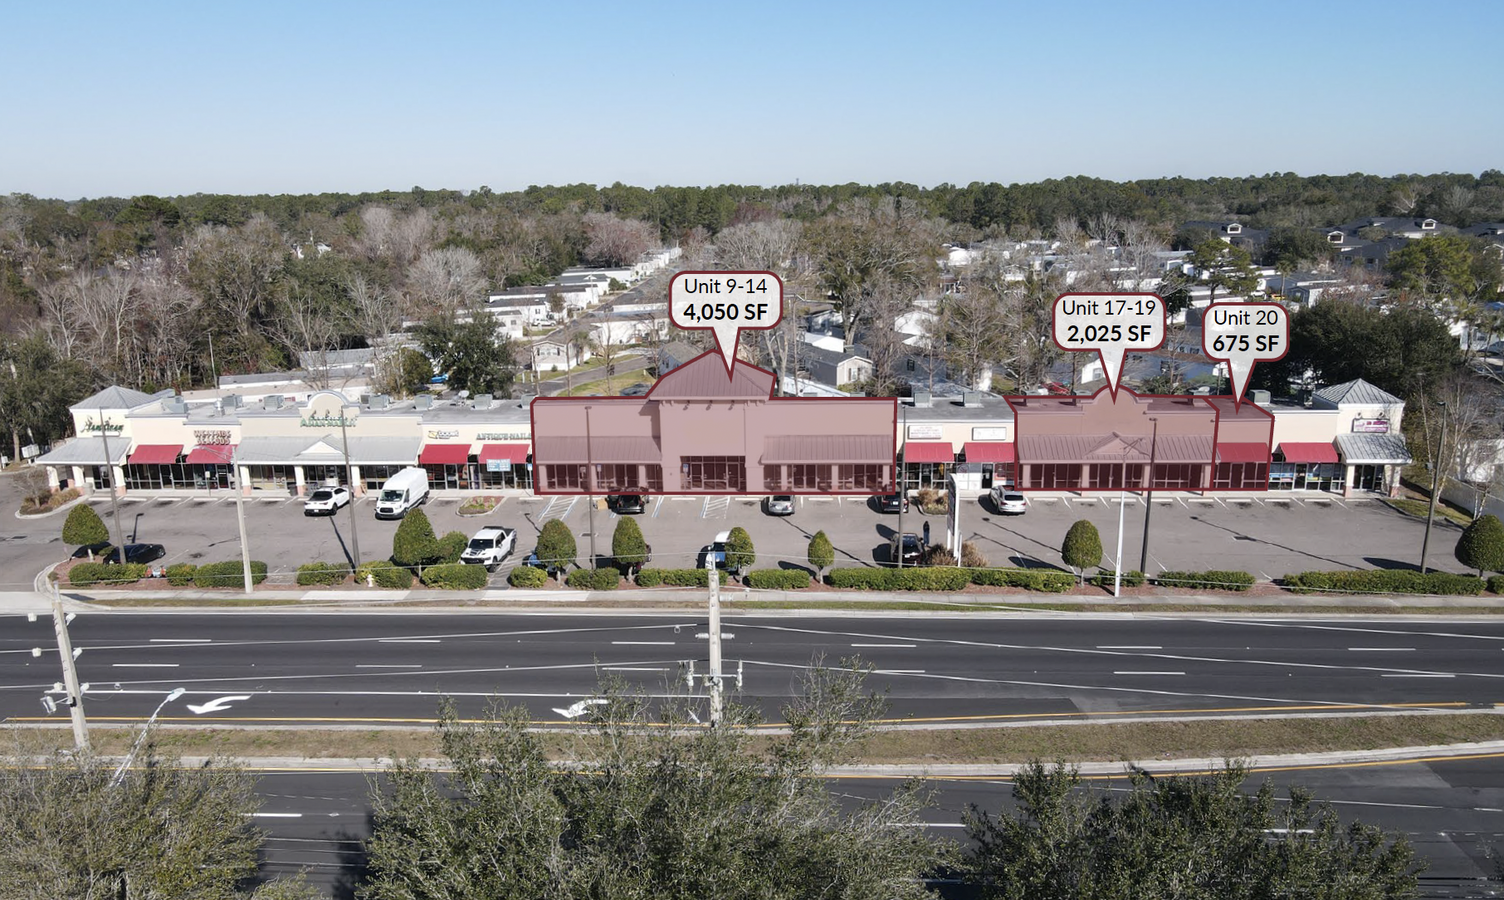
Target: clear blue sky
(269, 97)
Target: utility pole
(715, 644)
(1436, 464)
(70, 672)
(589, 485)
(1117, 561)
(245, 547)
(350, 483)
(903, 494)
(104, 435)
(1143, 560)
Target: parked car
(489, 547)
(715, 551)
(913, 548)
(1010, 502)
(637, 390)
(137, 553)
(625, 504)
(90, 550)
(326, 501)
(892, 503)
(779, 505)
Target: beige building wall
(1311, 426)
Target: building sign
(503, 436)
(329, 420)
(1370, 426)
(498, 465)
(326, 409)
(207, 438)
(444, 434)
(926, 432)
(91, 427)
(994, 433)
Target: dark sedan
(913, 548)
(892, 503)
(624, 504)
(138, 553)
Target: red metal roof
(989, 452)
(928, 452)
(705, 378)
(1254, 452)
(211, 454)
(514, 453)
(155, 454)
(1302, 452)
(444, 455)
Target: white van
(402, 492)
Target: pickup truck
(489, 547)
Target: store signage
(503, 436)
(436, 434)
(498, 465)
(1370, 426)
(327, 420)
(997, 433)
(91, 427)
(926, 432)
(205, 438)
(326, 409)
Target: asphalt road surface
(357, 668)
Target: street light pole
(1143, 559)
(104, 435)
(70, 673)
(903, 493)
(119, 775)
(590, 484)
(350, 483)
(1436, 464)
(245, 546)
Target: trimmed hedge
(602, 579)
(1210, 580)
(527, 577)
(674, 578)
(451, 546)
(1496, 584)
(230, 573)
(322, 573)
(1029, 579)
(85, 574)
(1134, 578)
(905, 579)
(456, 577)
(385, 574)
(777, 579)
(181, 574)
(1386, 581)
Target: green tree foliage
(404, 373)
(415, 543)
(476, 358)
(1454, 267)
(1404, 350)
(165, 830)
(83, 526)
(627, 545)
(1292, 249)
(34, 400)
(1224, 267)
(1481, 545)
(1180, 836)
(556, 546)
(821, 554)
(1083, 547)
(740, 553)
(650, 811)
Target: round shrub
(321, 573)
(83, 526)
(649, 577)
(451, 546)
(181, 574)
(527, 577)
(85, 574)
(777, 579)
(604, 579)
(385, 574)
(230, 573)
(456, 577)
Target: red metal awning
(1300, 452)
(444, 455)
(989, 452)
(1254, 452)
(928, 452)
(155, 454)
(211, 455)
(516, 454)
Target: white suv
(490, 546)
(326, 501)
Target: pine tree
(1481, 546)
(1082, 548)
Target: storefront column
(1207, 477)
(1347, 486)
(78, 478)
(245, 480)
(52, 479)
(1085, 475)
(299, 480)
(117, 479)
(358, 489)
(1392, 479)
(1025, 476)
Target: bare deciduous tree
(613, 241)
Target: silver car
(1010, 502)
(779, 505)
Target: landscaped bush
(527, 577)
(456, 577)
(674, 577)
(230, 573)
(451, 546)
(385, 574)
(1386, 581)
(971, 557)
(917, 578)
(936, 555)
(1496, 584)
(181, 574)
(48, 502)
(1028, 579)
(777, 579)
(603, 579)
(1130, 579)
(1210, 580)
(319, 573)
(85, 574)
(933, 502)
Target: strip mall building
(1347, 441)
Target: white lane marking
(389, 666)
(634, 668)
(1380, 649)
(1131, 672)
(145, 665)
(409, 641)
(885, 645)
(218, 704)
(579, 708)
(1129, 647)
(1487, 809)
(181, 640)
(266, 815)
(1417, 675)
(898, 671)
(642, 643)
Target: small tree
(83, 526)
(1082, 548)
(739, 552)
(415, 543)
(821, 554)
(556, 548)
(1481, 546)
(627, 544)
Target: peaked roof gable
(1357, 392)
(113, 397)
(704, 378)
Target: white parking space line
(885, 645)
(1417, 675)
(409, 641)
(1381, 649)
(1129, 647)
(634, 668)
(642, 643)
(145, 665)
(180, 640)
(1130, 672)
(388, 666)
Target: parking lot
(1268, 537)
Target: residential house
(834, 367)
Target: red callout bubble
(726, 303)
